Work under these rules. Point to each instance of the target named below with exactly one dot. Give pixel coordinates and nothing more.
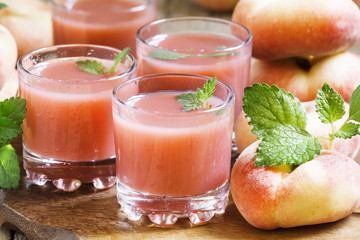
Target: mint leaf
(3, 5)
(267, 107)
(192, 101)
(97, 68)
(347, 130)
(287, 144)
(329, 105)
(167, 55)
(118, 59)
(9, 167)
(12, 114)
(92, 67)
(354, 111)
(207, 91)
(13, 108)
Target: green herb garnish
(168, 55)
(3, 5)
(197, 100)
(98, 68)
(12, 114)
(279, 121)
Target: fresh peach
(322, 190)
(217, 5)
(303, 78)
(349, 147)
(29, 21)
(8, 54)
(298, 28)
(11, 86)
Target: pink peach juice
(69, 118)
(104, 22)
(204, 53)
(162, 150)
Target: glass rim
(243, 44)
(52, 48)
(132, 9)
(230, 96)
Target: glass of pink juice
(169, 163)
(104, 22)
(68, 135)
(197, 45)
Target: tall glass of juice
(68, 135)
(197, 45)
(104, 22)
(172, 164)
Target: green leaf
(14, 109)
(9, 167)
(354, 111)
(287, 144)
(207, 91)
(267, 107)
(347, 130)
(3, 5)
(12, 114)
(92, 67)
(329, 105)
(167, 55)
(190, 101)
(118, 59)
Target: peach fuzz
(303, 78)
(349, 147)
(322, 190)
(298, 28)
(29, 21)
(8, 56)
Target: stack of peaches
(299, 45)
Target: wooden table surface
(46, 213)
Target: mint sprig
(3, 5)
(192, 101)
(94, 67)
(12, 114)
(169, 55)
(279, 120)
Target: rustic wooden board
(46, 213)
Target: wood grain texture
(46, 213)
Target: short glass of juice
(105, 22)
(68, 135)
(172, 164)
(197, 45)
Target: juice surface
(231, 69)
(106, 22)
(68, 118)
(180, 154)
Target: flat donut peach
(299, 28)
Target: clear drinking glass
(197, 45)
(104, 22)
(169, 163)
(68, 135)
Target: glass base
(68, 176)
(165, 211)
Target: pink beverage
(207, 46)
(168, 159)
(104, 22)
(68, 130)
